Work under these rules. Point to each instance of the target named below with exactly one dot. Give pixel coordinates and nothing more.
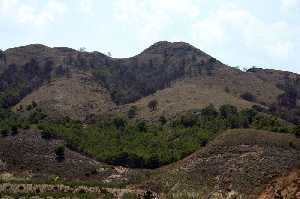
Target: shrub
(29, 107)
(248, 96)
(119, 123)
(153, 105)
(296, 131)
(14, 130)
(36, 116)
(132, 112)
(227, 111)
(47, 134)
(141, 126)
(258, 108)
(60, 153)
(292, 145)
(34, 104)
(188, 120)
(162, 120)
(209, 112)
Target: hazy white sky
(262, 33)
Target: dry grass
(185, 95)
(77, 97)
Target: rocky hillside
(179, 76)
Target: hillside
(178, 75)
(238, 163)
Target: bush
(14, 130)
(132, 112)
(29, 107)
(248, 96)
(47, 134)
(141, 126)
(34, 104)
(210, 112)
(60, 153)
(189, 120)
(296, 131)
(153, 105)
(162, 120)
(119, 123)
(227, 111)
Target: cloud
(32, 12)
(150, 19)
(230, 25)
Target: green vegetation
(137, 144)
(11, 122)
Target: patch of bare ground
(283, 187)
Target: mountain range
(170, 122)
(66, 82)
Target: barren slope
(184, 95)
(76, 96)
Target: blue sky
(237, 32)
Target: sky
(262, 33)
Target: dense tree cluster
(138, 144)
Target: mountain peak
(161, 46)
(175, 48)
